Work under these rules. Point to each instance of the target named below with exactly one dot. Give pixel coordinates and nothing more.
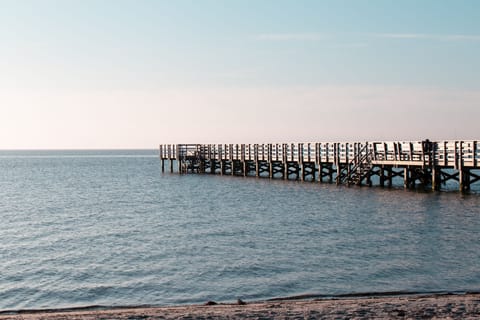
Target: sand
(464, 306)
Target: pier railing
(443, 153)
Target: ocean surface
(81, 228)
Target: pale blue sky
(133, 74)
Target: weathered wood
(436, 178)
(406, 177)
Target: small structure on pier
(430, 164)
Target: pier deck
(427, 164)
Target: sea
(108, 228)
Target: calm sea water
(81, 228)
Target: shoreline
(374, 306)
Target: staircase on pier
(190, 157)
(359, 168)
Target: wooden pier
(421, 164)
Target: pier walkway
(427, 164)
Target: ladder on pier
(359, 168)
(191, 159)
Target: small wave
(287, 298)
(73, 309)
(370, 295)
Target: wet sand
(463, 306)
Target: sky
(93, 74)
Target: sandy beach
(464, 306)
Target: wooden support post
(231, 158)
(382, 176)
(270, 160)
(475, 154)
(255, 156)
(347, 158)
(336, 161)
(406, 178)
(459, 162)
(464, 180)
(445, 155)
(243, 150)
(176, 154)
(170, 157)
(456, 159)
(467, 179)
(432, 162)
(300, 167)
(220, 157)
(162, 158)
(436, 178)
(327, 153)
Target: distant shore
(432, 306)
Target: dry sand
(465, 306)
